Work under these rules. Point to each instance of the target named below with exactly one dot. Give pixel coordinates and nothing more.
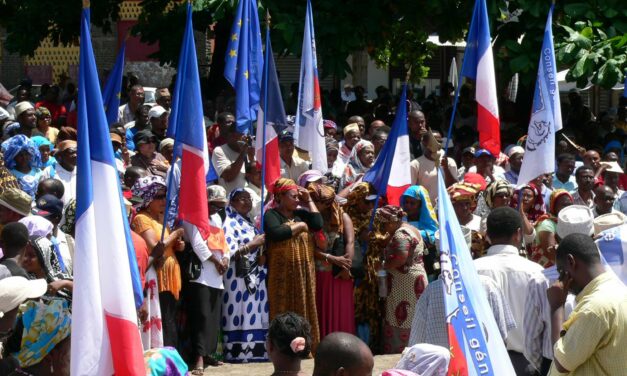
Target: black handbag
(337, 250)
(190, 263)
(242, 266)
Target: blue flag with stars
(244, 64)
(113, 88)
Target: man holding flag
(107, 287)
(546, 114)
(308, 130)
(244, 64)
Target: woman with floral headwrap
(406, 276)
(148, 223)
(529, 199)
(335, 247)
(245, 309)
(497, 194)
(360, 161)
(22, 158)
(543, 250)
(291, 269)
(44, 128)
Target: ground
(381, 363)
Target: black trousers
(169, 305)
(204, 309)
(520, 363)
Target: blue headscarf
(42, 141)
(615, 145)
(16, 144)
(427, 222)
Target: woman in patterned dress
(406, 276)
(245, 309)
(291, 268)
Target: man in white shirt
(292, 166)
(584, 194)
(229, 160)
(424, 171)
(511, 272)
(485, 165)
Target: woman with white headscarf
(360, 161)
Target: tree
(29, 22)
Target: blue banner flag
(244, 64)
(476, 345)
(113, 88)
(546, 114)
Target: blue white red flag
(275, 122)
(546, 114)
(244, 64)
(308, 130)
(391, 175)
(106, 277)
(187, 127)
(476, 345)
(113, 88)
(613, 246)
(479, 66)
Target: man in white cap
(158, 117)
(575, 219)
(25, 116)
(13, 292)
(515, 156)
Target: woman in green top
(543, 251)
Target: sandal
(198, 371)
(213, 362)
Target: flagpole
(265, 114)
(460, 78)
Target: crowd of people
(299, 267)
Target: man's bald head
(417, 124)
(343, 354)
(374, 127)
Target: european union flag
(244, 64)
(113, 88)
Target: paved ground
(381, 363)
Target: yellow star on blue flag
(244, 51)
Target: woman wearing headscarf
(416, 203)
(464, 199)
(406, 276)
(45, 149)
(543, 250)
(40, 261)
(245, 309)
(335, 246)
(530, 198)
(360, 161)
(44, 128)
(359, 207)
(23, 159)
(291, 268)
(497, 194)
(148, 224)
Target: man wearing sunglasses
(593, 341)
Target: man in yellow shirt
(593, 341)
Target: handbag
(242, 266)
(190, 263)
(337, 250)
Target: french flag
(186, 126)
(390, 175)
(267, 145)
(475, 342)
(479, 65)
(107, 286)
(308, 130)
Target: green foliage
(30, 22)
(594, 42)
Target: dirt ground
(381, 363)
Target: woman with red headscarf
(290, 248)
(543, 250)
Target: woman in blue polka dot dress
(245, 309)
